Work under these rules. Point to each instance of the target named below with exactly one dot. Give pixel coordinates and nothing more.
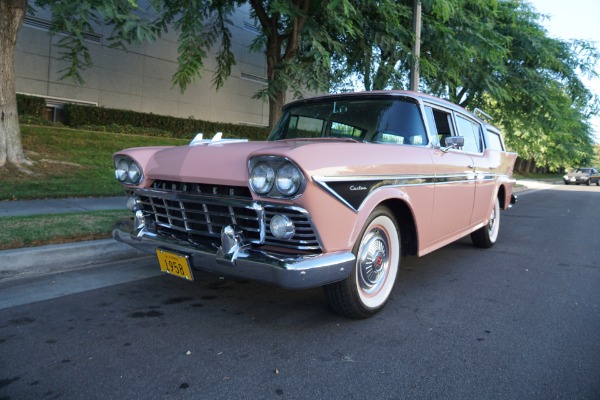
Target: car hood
(226, 163)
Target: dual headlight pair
(127, 170)
(274, 176)
(270, 176)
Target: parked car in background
(344, 187)
(585, 176)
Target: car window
(301, 126)
(346, 131)
(440, 124)
(493, 141)
(384, 120)
(471, 132)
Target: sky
(574, 19)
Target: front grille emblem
(231, 239)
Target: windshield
(584, 170)
(369, 120)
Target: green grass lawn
(70, 163)
(67, 163)
(540, 177)
(38, 230)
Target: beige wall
(140, 79)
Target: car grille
(196, 213)
(203, 188)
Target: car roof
(415, 97)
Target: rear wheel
(368, 287)
(486, 236)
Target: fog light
(282, 227)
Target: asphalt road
(518, 321)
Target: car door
(454, 191)
(485, 166)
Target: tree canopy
(492, 54)
(489, 54)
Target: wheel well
(406, 223)
(502, 197)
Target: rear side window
(493, 141)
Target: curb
(41, 260)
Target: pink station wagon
(344, 186)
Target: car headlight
(275, 176)
(135, 173)
(262, 177)
(121, 170)
(288, 179)
(127, 170)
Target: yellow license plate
(174, 264)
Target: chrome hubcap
(373, 261)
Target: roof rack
(480, 113)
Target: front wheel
(486, 236)
(368, 287)
(587, 183)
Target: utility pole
(414, 69)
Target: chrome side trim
(388, 181)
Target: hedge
(32, 108)
(31, 105)
(80, 116)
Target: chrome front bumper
(243, 261)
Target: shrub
(79, 116)
(31, 105)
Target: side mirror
(454, 142)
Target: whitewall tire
(370, 284)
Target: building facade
(139, 79)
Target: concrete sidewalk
(56, 206)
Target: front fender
(418, 200)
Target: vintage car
(586, 176)
(344, 186)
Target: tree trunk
(518, 162)
(12, 13)
(529, 167)
(276, 91)
(275, 106)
